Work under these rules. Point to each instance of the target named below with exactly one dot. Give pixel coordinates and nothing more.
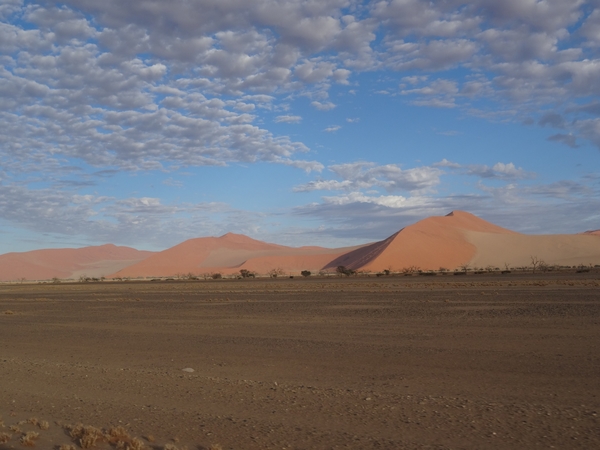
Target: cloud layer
(90, 88)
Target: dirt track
(374, 363)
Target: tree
(274, 273)
(343, 270)
(536, 262)
(246, 273)
(305, 273)
(465, 267)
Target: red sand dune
(448, 241)
(462, 238)
(228, 254)
(431, 243)
(67, 263)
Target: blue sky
(331, 122)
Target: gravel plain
(447, 362)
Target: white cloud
(364, 175)
(326, 106)
(332, 129)
(288, 119)
(499, 171)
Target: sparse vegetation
(216, 276)
(28, 439)
(274, 273)
(5, 437)
(245, 273)
(305, 273)
(410, 270)
(535, 262)
(343, 270)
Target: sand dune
(429, 244)
(96, 261)
(229, 254)
(450, 241)
(461, 238)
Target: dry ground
(444, 362)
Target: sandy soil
(446, 362)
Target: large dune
(460, 238)
(65, 263)
(229, 254)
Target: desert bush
(274, 273)
(305, 273)
(410, 270)
(246, 273)
(5, 437)
(216, 276)
(343, 270)
(28, 439)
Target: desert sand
(65, 263)
(229, 254)
(472, 362)
(449, 242)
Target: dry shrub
(134, 444)
(117, 434)
(29, 438)
(8, 312)
(86, 436)
(67, 447)
(5, 437)
(33, 421)
(14, 428)
(44, 425)
(215, 447)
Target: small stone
(188, 369)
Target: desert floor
(446, 362)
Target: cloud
(288, 119)
(326, 106)
(499, 171)
(364, 175)
(128, 221)
(553, 119)
(566, 139)
(332, 129)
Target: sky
(299, 122)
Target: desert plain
(495, 361)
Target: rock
(188, 369)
